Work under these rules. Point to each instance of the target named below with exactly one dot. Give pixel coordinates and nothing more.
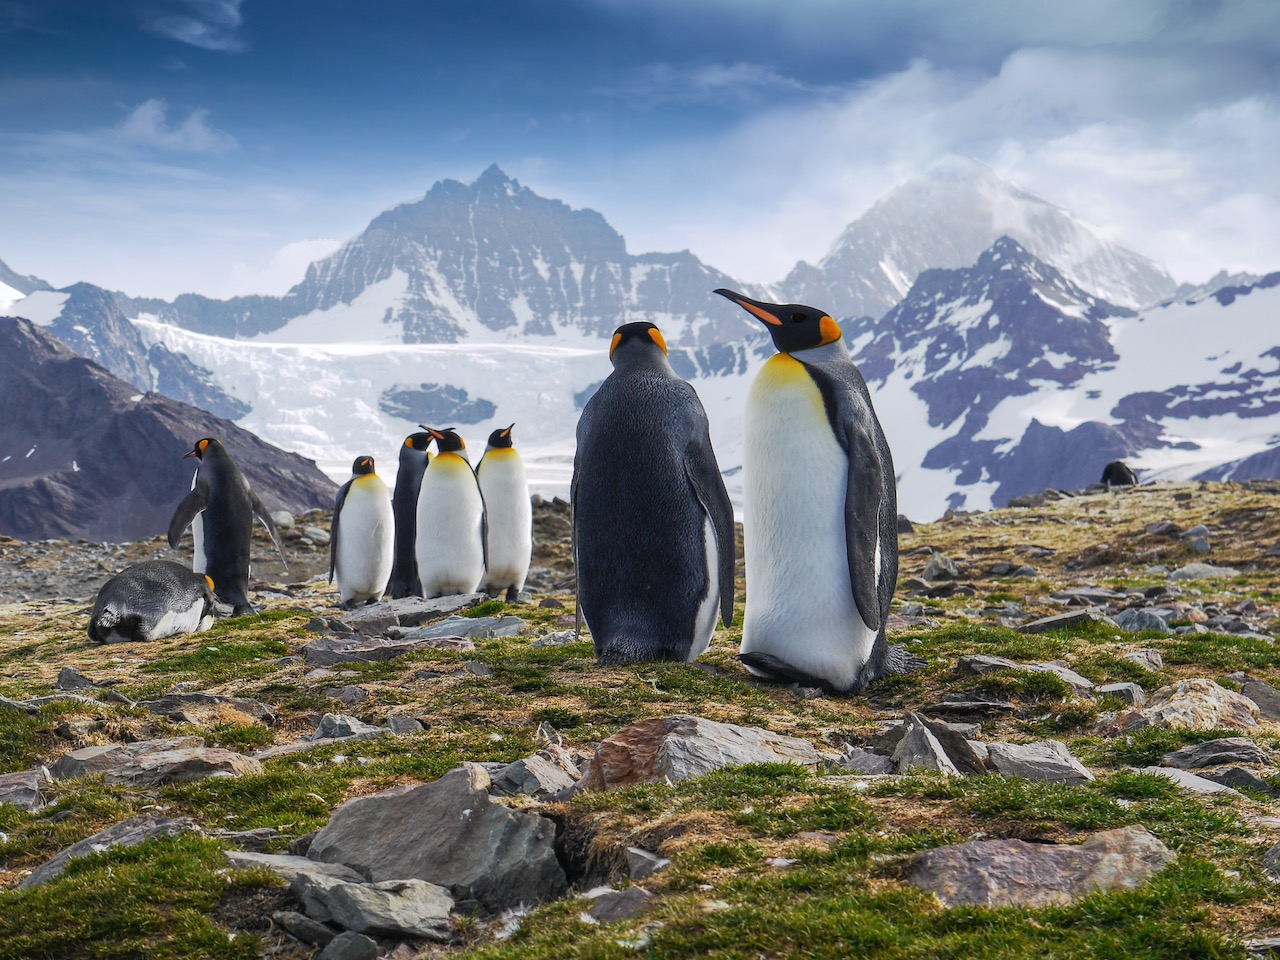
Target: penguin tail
(780, 671)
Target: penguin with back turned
(509, 512)
(223, 496)
(362, 537)
(451, 521)
(414, 457)
(151, 600)
(820, 521)
(653, 537)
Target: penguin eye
(798, 318)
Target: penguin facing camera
(414, 457)
(821, 512)
(152, 600)
(221, 497)
(509, 540)
(653, 539)
(362, 540)
(451, 521)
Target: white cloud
(207, 24)
(662, 83)
(286, 267)
(148, 126)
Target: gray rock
(478, 669)
(1149, 660)
(337, 726)
(539, 776)
(404, 908)
(1135, 620)
(681, 747)
(1200, 704)
(919, 749)
(23, 789)
(558, 638)
(302, 927)
(126, 833)
(998, 873)
(472, 628)
(283, 519)
(88, 761)
(69, 678)
(350, 946)
(316, 535)
(1265, 696)
(1188, 781)
(249, 841)
(1066, 621)
(1199, 545)
(288, 867)
(1271, 860)
(1199, 530)
(939, 567)
(1165, 528)
(182, 765)
(350, 694)
(1080, 686)
(1202, 571)
(1048, 760)
(962, 706)
(615, 905)
(356, 648)
(642, 864)
(980, 664)
(403, 726)
(1240, 779)
(192, 705)
(1129, 692)
(415, 611)
(1214, 753)
(856, 760)
(449, 833)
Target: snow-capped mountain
(946, 219)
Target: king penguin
(451, 520)
(820, 512)
(414, 457)
(223, 495)
(505, 489)
(151, 600)
(653, 535)
(362, 538)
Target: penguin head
(363, 465)
(793, 326)
(418, 441)
(500, 439)
(202, 447)
(447, 440)
(638, 340)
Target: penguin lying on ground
(509, 542)
(451, 519)
(151, 600)
(1117, 473)
(414, 457)
(820, 503)
(222, 494)
(653, 539)
(362, 535)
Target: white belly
(198, 562)
(450, 514)
(506, 497)
(366, 541)
(800, 605)
(173, 622)
(704, 622)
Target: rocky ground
(1085, 768)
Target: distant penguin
(451, 534)
(1118, 474)
(414, 457)
(228, 504)
(505, 488)
(151, 600)
(362, 538)
(821, 512)
(653, 537)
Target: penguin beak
(189, 454)
(761, 311)
(507, 432)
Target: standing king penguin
(414, 458)
(361, 543)
(820, 502)
(505, 489)
(450, 542)
(223, 495)
(652, 523)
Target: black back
(1117, 473)
(404, 506)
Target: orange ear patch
(829, 329)
(656, 336)
(613, 344)
(209, 580)
(204, 445)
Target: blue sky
(217, 146)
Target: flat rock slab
(450, 833)
(1129, 692)
(1265, 696)
(962, 706)
(126, 833)
(1189, 781)
(288, 867)
(179, 766)
(1213, 753)
(1149, 660)
(377, 618)
(355, 648)
(612, 906)
(1064, 621)
(391, 908)
(1048, 760)
(470, 628)
(681, 747)
(1200, 704)
(90, 761)
(999, 873)
(34, 704)
(1202, 571)
(23, 789)
(194, 707)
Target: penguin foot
(781, 672)
(898, 660)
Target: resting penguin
(362, 536)
(652, 524)
(151, 600)
(228, 504)
(1117, 473)
(450, 543)
(414, 458)
(505, 489)
(820, 512)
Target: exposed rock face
(999, 873)
(178, 766)
(1200, 704)
(88, 761)
(1213, 753)
(126, 833)
(449, 833)
(106, 463)
(681, 747)
(1049, 760)
(23, 789)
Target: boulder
(69, 678)
(393, 908)
(88, 761)
(350, 946)
(920, 749)
(302, 927)
(288, 867)
(1265, 696)
(1200, 704)
(857, 760)
(450, 833)
(126, 833)
(545, 773)
(681, 747)
(1213, 753)
(1047, 760)
(1135, 620)
(998, 873)
(208, 707)
(23, 789)
(939, 567)
(181, 765)
(1149, 660)
(642, 864)
(336, 726)
(610, 906)
(1067, 621)
(1130, 693)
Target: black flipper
(192, 503)
(708, 485)
(780, 671)
(333, 531)
(863, 492)
(270, 524)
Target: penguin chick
(362, 539)
(653, 533)
(509, 541)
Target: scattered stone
(1129, 692)
(22, 789)
(403, 726)
(1215, 753)
(1149, 660)
(405, 908)
(192, 707)
(1202, 571)
(326, 651)
(539, 776)
(1087, 596)
(1188, 781)
(1135, 620)
(287, 867)
(681, 747)
(1048, 760)
(1240, 779)
(615, 905)
(998, 873)
(939, 567)
(302, 927)
(316, 535)
(182, 765)
(449, 833)
(126, 833)
(1066, 621)
(350, 695)
(1199, 545)
(1199, 530)
(478, 669)
(969, 706)
(905, 525)
(642, 864)
(336, 726)
(980, 664)
(919, 749)
(1200, 704)
(250, 841)
(1265, 696)
(88, 761)
(558, 638)
(472, 628)
(857, 760)
(69, 678)
(1164, 528)
(350, 946)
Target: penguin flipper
(192, 503)
(703, 473)
(265, 516)
(783, 672)
(864, 491)
(333, 528)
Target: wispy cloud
(149, 126)
(207, 24)
(664, 83)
